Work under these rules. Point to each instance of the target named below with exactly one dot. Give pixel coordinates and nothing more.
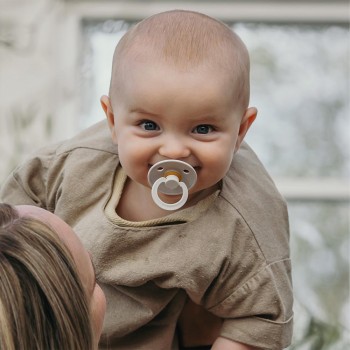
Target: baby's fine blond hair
(185, 39)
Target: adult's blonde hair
(185, 40)
(43, 304)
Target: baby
(220, 264)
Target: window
(299, 83)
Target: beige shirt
(233, 258)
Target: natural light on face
(299, 85)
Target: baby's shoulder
(95, 138)
(248, 179)
(251, 193)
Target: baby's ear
(107, 107)
(247, 120)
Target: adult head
(48, 294)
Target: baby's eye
(149, 125)
(203, 129)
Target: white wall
(39, 90)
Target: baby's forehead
(182, 61)
(226, 64)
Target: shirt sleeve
(28, 183)
(259, 313)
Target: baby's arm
(198, 327)
(227, 344)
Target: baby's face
(161, 113)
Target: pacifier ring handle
(169, 206)
(171, 177)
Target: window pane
(300, 85)
(320, 254)
(99, 41)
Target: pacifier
(171, 177)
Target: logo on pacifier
(171, 177)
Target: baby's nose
(174, 148)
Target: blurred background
(55, 62)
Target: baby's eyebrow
(143, 111)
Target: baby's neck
(136, 203)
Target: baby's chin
(169, 198)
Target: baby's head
(185, 41)
(179, 90)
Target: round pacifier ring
(169, 206)
(171, 177)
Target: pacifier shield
(184, 171)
